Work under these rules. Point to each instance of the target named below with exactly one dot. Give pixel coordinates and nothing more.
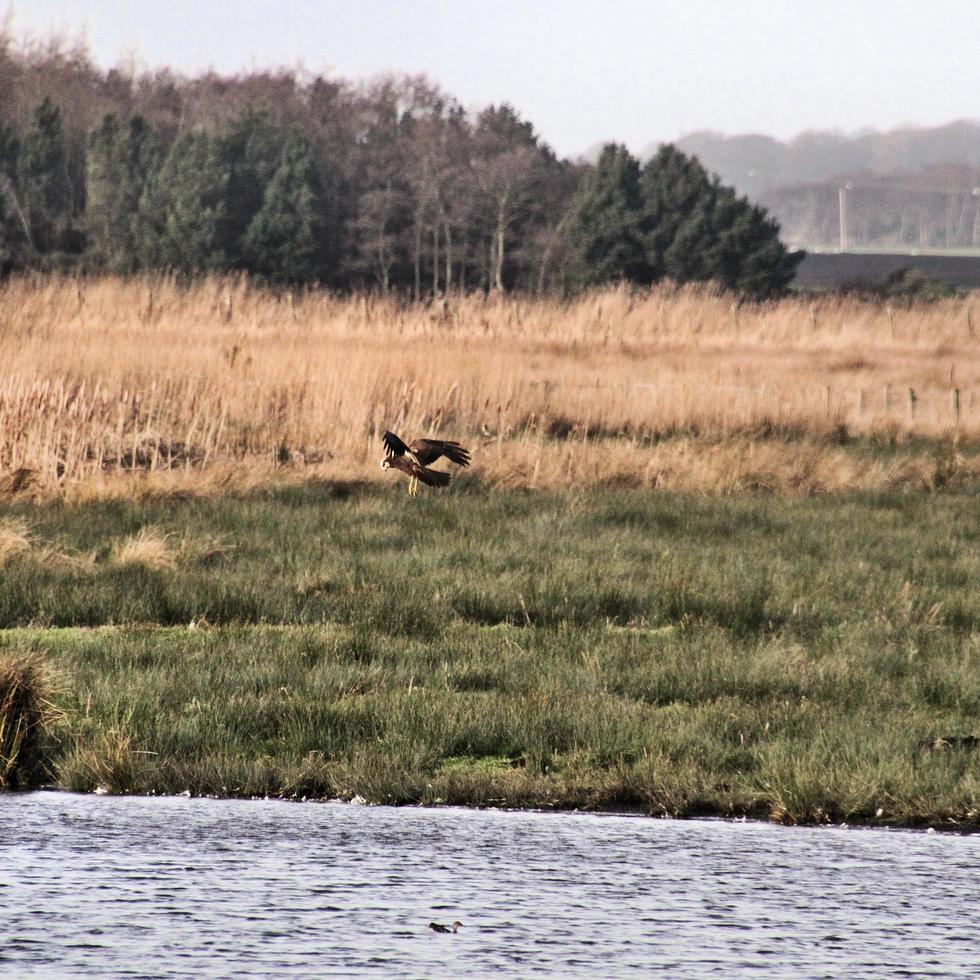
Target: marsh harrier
(413, 458)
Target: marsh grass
(195, 535)
(131, 388)
(764, 656)
(28, 719)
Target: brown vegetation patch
(93, 390)
(27, 718)
(149, 547)
(15, 539)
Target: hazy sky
(583, 71)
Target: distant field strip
(223, 383)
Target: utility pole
(842, 212)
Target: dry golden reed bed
(118, 386)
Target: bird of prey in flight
(413, 459)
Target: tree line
(389, 185)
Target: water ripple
(175, 887)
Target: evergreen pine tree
(284, 241)
(677, 195)
(47, 196)
(698, 230)
(747, 255)
(605, 223)
(183, 208)
(119, 165)
(250, 152)
(13, 232)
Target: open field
(114, 387)
(227, 594)
(780, 657)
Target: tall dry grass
(149, 384)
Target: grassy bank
(757, 655)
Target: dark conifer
(47, 198)
(698, 230)
(182, 210)
(605, 225)
(120, 163)
(285, 239)
(13, 226)
(250, 152)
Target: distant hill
(909, 188)
(754, 164)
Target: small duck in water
(439, 927)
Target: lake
(177, 887)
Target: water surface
(178, 887)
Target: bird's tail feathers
(433, 478)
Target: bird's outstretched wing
(429, 450)
(394, 446)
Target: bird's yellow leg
(415, 487)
